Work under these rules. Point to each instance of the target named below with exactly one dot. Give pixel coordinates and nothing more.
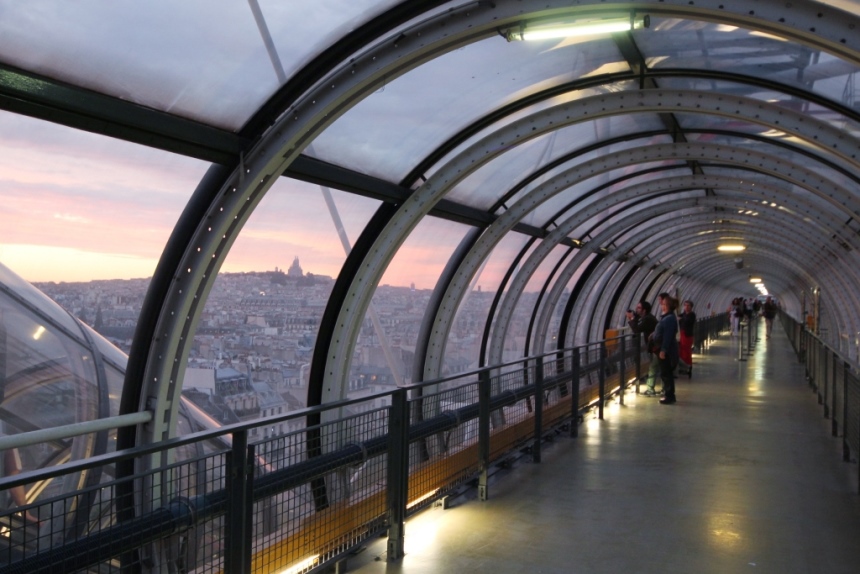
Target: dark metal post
(846, 451)
(574, 393)
(833, 394)
(538, 409)
(601, 380)
(622, 370)
(757, 321)
(821, 372)
(238, 523)
(749, 335)
(741, 341)
(637, 350)
(484, 392)
(398, 472)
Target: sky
(79, 207)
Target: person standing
(735, 312)
(642, 321)
(687, 325)
(768, 310)
(664, 338)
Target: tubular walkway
(741, 475)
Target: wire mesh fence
(296, 491)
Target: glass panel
(47, 379)
(187, 58)
(780, 99)
(414, 114)
(253, 346)
(67, 191)
(464, 342)
(518, 329)
(692, 44)
(551, 341)
(838, 177)
(561, 206)
(486, 186)
(385, 354)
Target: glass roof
(412, 115)
(200, 59)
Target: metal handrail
(76, 429)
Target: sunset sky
(79, 207)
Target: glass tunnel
(222, 214)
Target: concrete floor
(741, 475)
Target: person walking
(768, 310)
(687, 325)
(664, 338)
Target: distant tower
(295, 269)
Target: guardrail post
(538, 409)
(622, 370)
(846, 450)
(601, 381)
(398, 472)
(830, 386)
(833, 416)
(757, 321)
(637, 349)
(238, 523)
(821, 372)
(749, 335)
(484, 393)
(574, 393)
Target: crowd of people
(670, 338)
(742, 308)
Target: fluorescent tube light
(575, 29)
(731, 248)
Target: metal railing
(835, 379)
(251, 498)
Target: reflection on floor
(741, 475)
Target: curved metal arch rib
(773, 166)
(837, 279)
(643, 190)
(648, 241)
(217, 228)
(784, 251)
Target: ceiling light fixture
(730, 248)
(755, 279)
(545, 31)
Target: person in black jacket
(769, 312)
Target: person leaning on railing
(641, 320)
